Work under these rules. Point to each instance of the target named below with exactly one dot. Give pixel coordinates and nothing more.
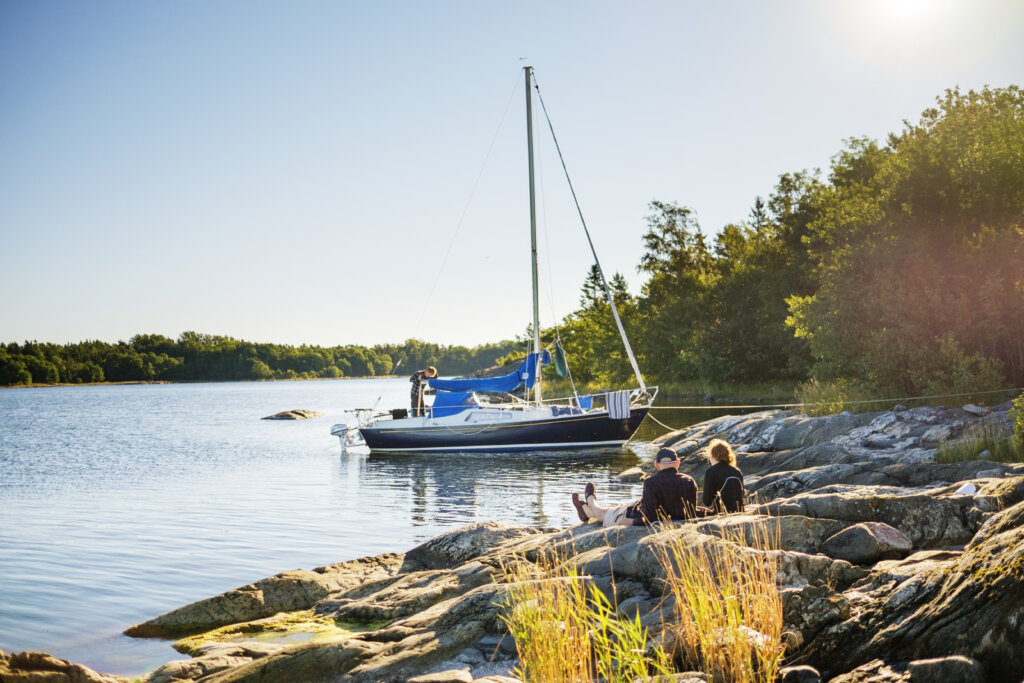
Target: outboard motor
(349, 435)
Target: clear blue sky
(296, 171)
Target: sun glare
(908, 12)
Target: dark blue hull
(570, 431)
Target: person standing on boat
(667, 495)
(723, 482)
(416, 393)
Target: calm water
(118, 503)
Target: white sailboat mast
(533, 233)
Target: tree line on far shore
(204, 357)
(899, 272)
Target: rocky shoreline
(892, 567)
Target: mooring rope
(671, 429)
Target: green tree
(919, 250)
(679, 263)
(259, 370)
(12, 370)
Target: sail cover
(452, 402)
(524, 374)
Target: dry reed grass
(566, 629)
(727, 602)
(728, 609)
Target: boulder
(633, 474)
(449, 676)
(293, 415)
(799, 674)
(866, 542)
(945, 669)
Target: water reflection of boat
(466, 415)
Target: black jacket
(723, 487)
(667, 494)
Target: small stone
(944, 669)
(980, 411)
(799, 674)
(449, 676)
(792, 640)
(494, 646)
(898, 408)
(989, 474)
(633, 474)
(634, 607)
(470, 656)
(985, 454)
(968, 489)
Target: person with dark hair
(723, 482)
(418, 379)
(667, 495)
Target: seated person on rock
(723, 482)
(667, 495)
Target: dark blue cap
(666, 455)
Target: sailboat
(481, 414)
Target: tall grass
(828, 398)
(728, 619)
(1001, 446)
(566, 630)
(728, 606)
(1017, 417)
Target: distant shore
(192, 381)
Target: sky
(333, 172)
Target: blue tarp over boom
(525, 374)
(452, 402)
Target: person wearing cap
(667, 495)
